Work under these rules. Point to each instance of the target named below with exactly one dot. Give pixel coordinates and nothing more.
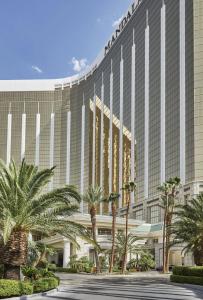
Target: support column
(163, 93)
(37, 139)
(82, 155)
(102, 140)
(182, 91)
(132, 171)
(68, 137)
(51, 149)
(9, 128)
(111, 136)
(66, 253)
(146, 146)
(121, 130)
(94, 140)
(23, 136)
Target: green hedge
(65, 270)
(187, 279)
(188, 271)
(45, 284)
(9, 288)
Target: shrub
(187, 279)
(52, 267)
(188, 271)
(9, 288)
(30, 272)
(45, 284)
(66, 270)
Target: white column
(132, 171)
(146, 146)
(68, 130)
(37, 139)
(23, 135)
(121, 130)
(102, 140)
(94, 140)
(182, 91)
(163, 93)
(66, 253)
(9, 128)
(51, 147)
(111, 136)
(82, 156)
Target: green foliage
(52, 267)
(81, 265)
(9, 288)
(25, 206)
(188, 271)
(45, 284)
(94, 196)
(146, 261)
(188, 226)
(66, 270)
(34, 273)
(120, 241)
(187, 279)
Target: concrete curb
(27, 297)
(189, 286)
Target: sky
(54, 38)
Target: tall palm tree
(169, 191)
(129, 188)
(93, 197)
(188, 228)
(25, 208)
(113, 199)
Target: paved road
(147, 287)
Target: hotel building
(136, 113)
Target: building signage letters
(122, 25)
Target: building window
(155, 214)
(104, 231)
(139, 215)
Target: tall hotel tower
(136, 113)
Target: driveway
(149, 286)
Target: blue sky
(54, 38)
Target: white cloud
(79, 64)
(117, 22)
(37, 69)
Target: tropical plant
(169, 191)
(129, 188)
(113, 199)
(25, 208)
(37, 253)
(143, 262)
(120, 245)
(188, 228)
(93, 197)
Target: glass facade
(114, 97)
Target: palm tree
(93, 197)
(169, 191)
(113, 198)
(24, 208)
(121, 241)
(128, 188)
(188, 228)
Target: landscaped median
(35, 281)
(191, 275)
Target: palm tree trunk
(93, 221)
(126, 239)
(113, 207)
(15, 254)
